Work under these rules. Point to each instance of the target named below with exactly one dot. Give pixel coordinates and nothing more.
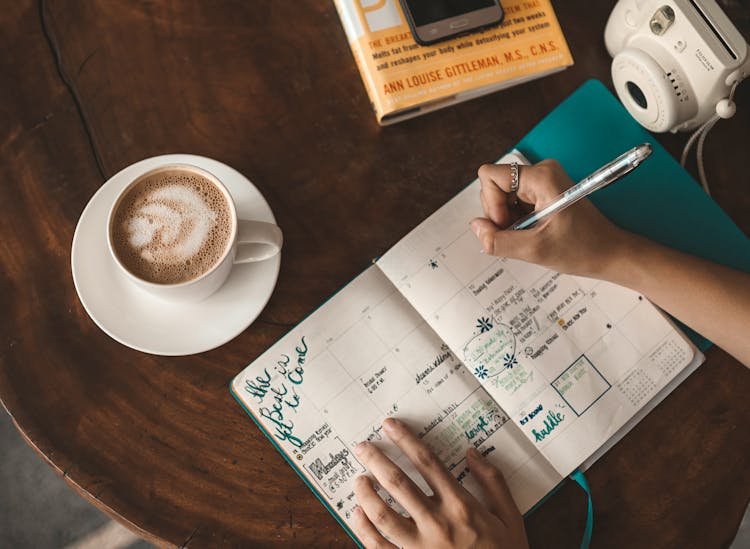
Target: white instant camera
(676, 62)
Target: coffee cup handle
(257, 240)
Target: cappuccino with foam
(171, 226)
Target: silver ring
(514, 177)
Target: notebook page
(364, 355)
(570, 359)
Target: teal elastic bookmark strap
(577, 475)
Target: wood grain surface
(271, 88)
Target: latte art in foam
(171, 227)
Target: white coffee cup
(248, 241)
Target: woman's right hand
(578, 240)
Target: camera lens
(637, 94)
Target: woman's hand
(451, 517)
(578, 240)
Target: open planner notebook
(540, 371)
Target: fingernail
(359, 448)
(389, 424)
(473, 453)
(475, 227)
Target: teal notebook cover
(659, 200)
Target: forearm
(712, 299)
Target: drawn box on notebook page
(334, 468)
(581, 385)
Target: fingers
(499, 500)
(426, 462)
(366, 531)
(494, 192)
(379, 516)
(513, 244)
(485, 204)
(393, 479)
(485, 231)
(538, 184)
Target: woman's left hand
(451, 517)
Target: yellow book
(405, 79)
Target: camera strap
(699, 136)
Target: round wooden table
(271, 89)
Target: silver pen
(606, 175)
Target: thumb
(502, 243)
(496, 492)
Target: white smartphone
(435, 20)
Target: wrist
(628, 260)
(622, 261)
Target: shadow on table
(39, 510)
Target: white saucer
(149, 324)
